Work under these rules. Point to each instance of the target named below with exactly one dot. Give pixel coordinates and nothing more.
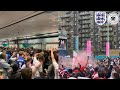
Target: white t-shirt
(56, 67)
(17, 55)
(83, 78)
(37, 74)
(95, 76)
(35, 62)
(13, 59)
(72, 78)
(112, 63)
(23, 66)
(111, 78)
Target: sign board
(88, 48)
(100, 17)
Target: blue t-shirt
(20, 62)
(8, 55)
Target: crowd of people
(105, 69)
(29, 63)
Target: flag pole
(108, 40)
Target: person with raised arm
(55, 63)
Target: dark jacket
(15, 75)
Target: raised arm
(87, 61)
(55, 64)
(36, 54)
(52, 55)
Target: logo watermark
(100, 17)
(113, 18)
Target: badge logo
(113, 18)
(100, 17)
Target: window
(104, 43)
(75, 19)
(83, 44)
(103, 34)
(114, 43)
(103, 29)
(118, 38)
(104, 38)
(75, 15)
(119, 28)
(82, 26)
(110, 28)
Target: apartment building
(82, 24)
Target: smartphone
(1, 72)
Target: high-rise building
(66, 24)
(103, 35)
(82, 23)
(86, 27)
(118, 30)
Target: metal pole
(108, 39)
(76, 37)
(98, 38)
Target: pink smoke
(82, 58)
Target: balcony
(65, 25)
(68, 12)
(84, 32)
(83, 40)
(84, 13)
(104, 35)
(105, 26)
(105, 29)
(85, 36)
(84, 23)
(65, 16)
(103, 40)
(96, 34)
(85, 27)
(68, 19)
(81, 19)
(68, 28)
